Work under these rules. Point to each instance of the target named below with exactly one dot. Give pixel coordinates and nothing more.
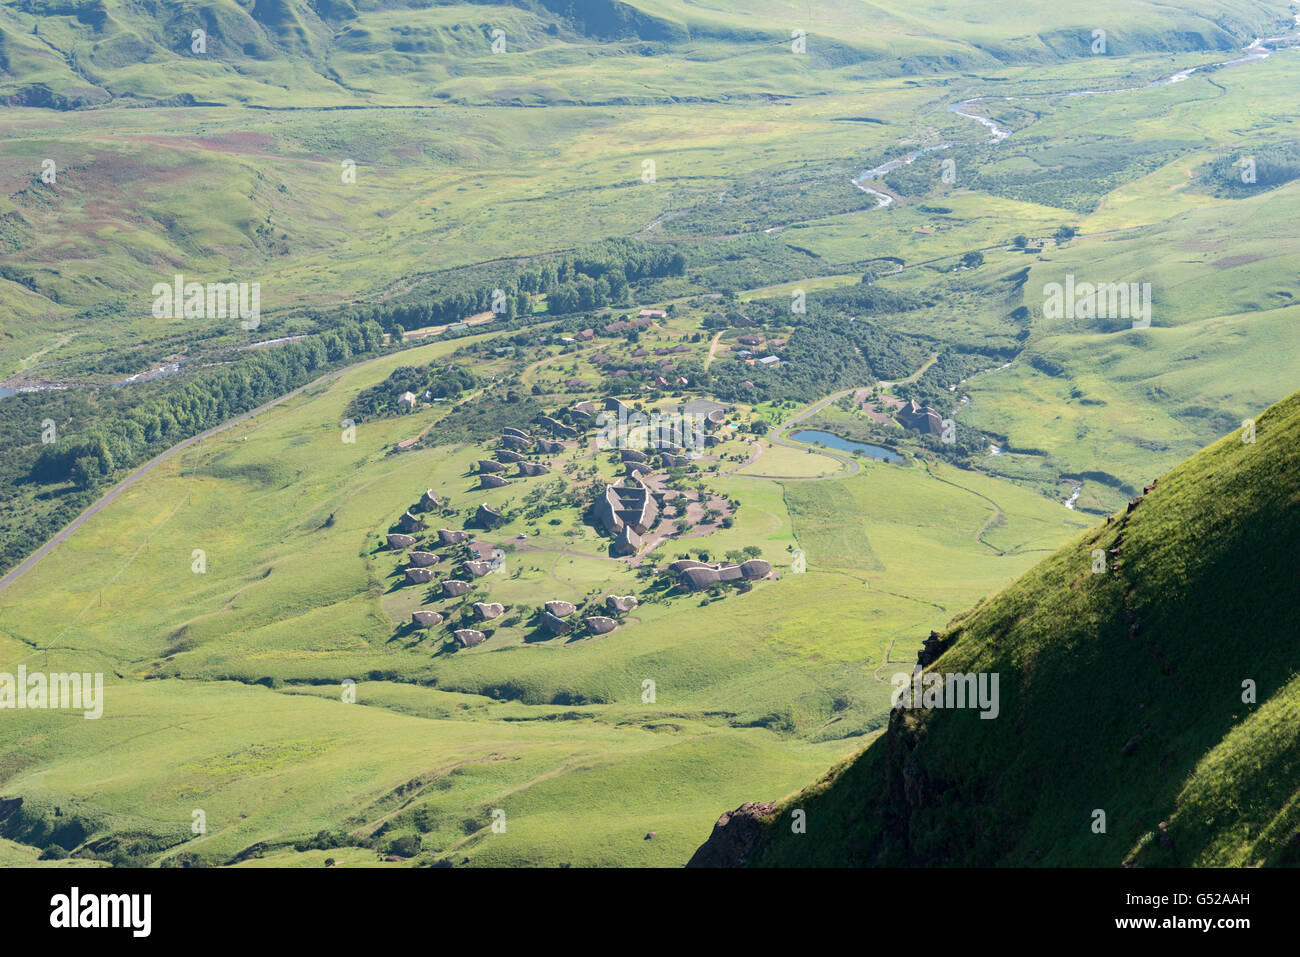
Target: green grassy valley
(513, 434)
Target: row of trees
(198, 403)
(599, 276)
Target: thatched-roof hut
(424, 559)
(627, 541)
(600, 625)
(452, 588)
(619, 603)
(488, 517)
(448, 537)
(425, 619)
(487, 610)
(561, 609)
(555, 624)
(409, 523)
(419, 576)
(398, 542)
(468, 637)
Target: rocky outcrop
(424, 559)
(398, 542)
(487, 610)
(454, 588)
(425, 619)
(419, 576)
(735, 836)
(931, 649)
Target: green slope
(1150, 728)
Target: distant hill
(1120, 692)
(73, 54)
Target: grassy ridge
(1151, 728)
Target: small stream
(1258, 49)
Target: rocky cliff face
(734, 837)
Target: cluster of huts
(420, 569)
(558, 616)
(515, 445)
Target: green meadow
(240, 669)
(239, 595)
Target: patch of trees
(1244, 174)
(828, 347)
(484, 416)
(96, 434)
(1073, 175)
(591, 278)
(437, 380)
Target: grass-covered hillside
(1123, 692)
(71, 54)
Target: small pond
(833, 441)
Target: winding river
(1258, 49)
